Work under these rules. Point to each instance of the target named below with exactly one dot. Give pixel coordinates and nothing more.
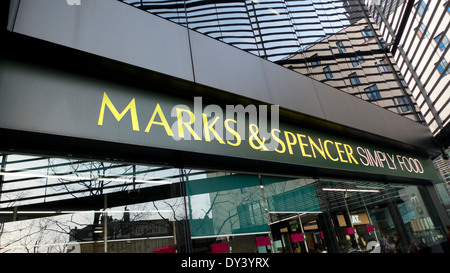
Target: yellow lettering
(163, 121)
(210, 128)
(327, 151)
(349, 151)
(254, 130)
(186, 124)
(340, 152)
(314, 146)
(302, 145)
(231, 130)
(130, 107)
(283, 147)
(288, 142)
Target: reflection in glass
(75, 205)
(326, 40)
(81, 206)
(386, 218)
(225, 204)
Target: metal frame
(399, 34)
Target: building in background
(355, 61)
(124, 236)
(417, 34)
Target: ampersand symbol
(254, 137)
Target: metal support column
(266, 210)
(411, 69)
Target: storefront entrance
(380, 218)
(79, 205)
(296, 232)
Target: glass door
(296, 233)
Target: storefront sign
(57, 103)
(357, 219)
(164, 249)
(297, 237)
(220, 247)
(262, 241)
(370, 228)
(248, 132)
(350, 230)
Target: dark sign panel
(57, 103)
(232, 132)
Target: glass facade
(333, 41)
(52, 201)
(67, 205)
(418, 36)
